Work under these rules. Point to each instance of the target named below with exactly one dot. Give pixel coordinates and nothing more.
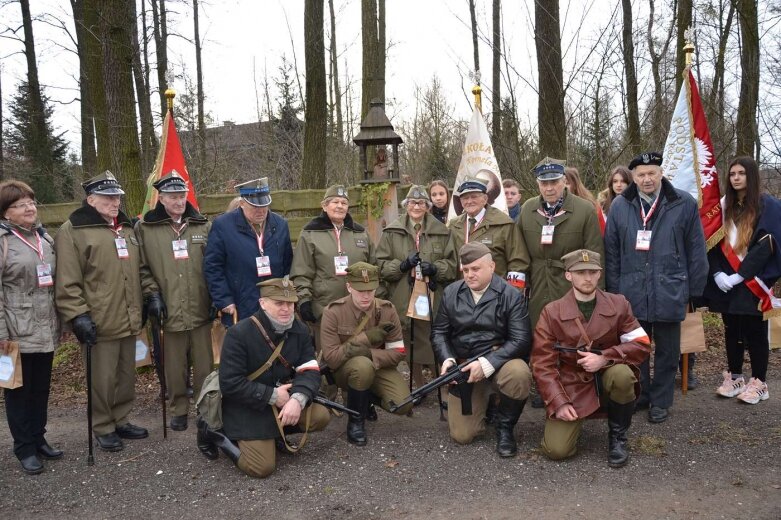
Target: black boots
(358, 400)
(209, 440)
(619, 418)
(507, 414)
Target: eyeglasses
(24, 205)
(416, 203)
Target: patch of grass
(726, 433)
(648, 445)
(65, 354)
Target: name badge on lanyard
(121, 245)
(180, 249)
(263, 264)
(44, 275)
(643, 240)
(547, 234)
(340, 265)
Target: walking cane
(163, 384)
(411, 350)
(90, 454)
(431, 340)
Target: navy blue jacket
(659, 282)
(229, 260)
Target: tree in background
(746, 127)
(315, 115)
(633, 110)
(287, 129)
(373, 41)
(551, 124)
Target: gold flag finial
(170, 94)
(477, 91)
(688, 48)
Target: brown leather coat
(613, 330)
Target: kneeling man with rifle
(483, 316)
(269, 378)
(587, 350)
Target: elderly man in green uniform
(172, 237)
(362, 343)
(552, 225)
(327, 245)
(483, 223)
(268, 377)
(98, 290)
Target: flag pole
(477, 92)
(170, 94)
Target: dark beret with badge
(336, 191)
(171, 183)
(256, 192)
(416, 193)
(363, 276)
(582, 260)
(549, 169)
(472, 251)
(103, 184)
(471, 185)
(646, 159)
(280, 289)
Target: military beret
(336, 191)
(472, 251)
(416, 193)
(363, 276)
(470, 185)
(280, 289)
(549, 169)
(256, 192)
(648, 158)
(581, 260)
(103, 184)
(171, 183)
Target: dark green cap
(336, 191)
(280, 289)
(363, 276)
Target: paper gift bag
(218, 335)
(774, 332)
(143, 351)
(419, 307)
(693, 333)
(11, 367)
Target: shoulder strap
(274, 355)
(583, 333)
(361, 324)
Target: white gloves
(735, 279)
(722, 280)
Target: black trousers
(26, 407)
(659, 390)
(742, 331)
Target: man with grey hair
(478, 312)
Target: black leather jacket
(501, 318)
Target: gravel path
(713, 458)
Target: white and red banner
(689, 162)
(478, 160)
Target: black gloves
(432, 284)
(428, 269)
(84, 329)
(156, 307)
(411, 261)
(352, 350)
(379, 333)
(305, 309)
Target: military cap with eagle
(582, 260)
(103, 184)
(363, 276)
(280, 289)
(647, 158)
(171, 183)
(549, 169)
(256, 192)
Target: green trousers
(387, 384)
(113, 383)
(198, 343)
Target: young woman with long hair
(440, 199)
(576, 187)
(617, 182)
(743, 268)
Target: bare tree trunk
(89, 160)
(335, 75)
(199, 95)
(683, 21)
(2, 159)
(115, 27)
(160, 27)
(657, 113)
(94, 65)
(551, 122)
(148, 139)
(373, 41)
(496, 81)
(746, 129)
(315, 128)
(475, 49)
(633, 124)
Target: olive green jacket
(180, 282)
(397, 242)
(499, 233)
(313, 269)
(576, 228)
(91, 278)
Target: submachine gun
(321, 399)
(453, 375)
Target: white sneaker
(755, 392)
(731, 387)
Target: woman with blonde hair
(576, 187)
